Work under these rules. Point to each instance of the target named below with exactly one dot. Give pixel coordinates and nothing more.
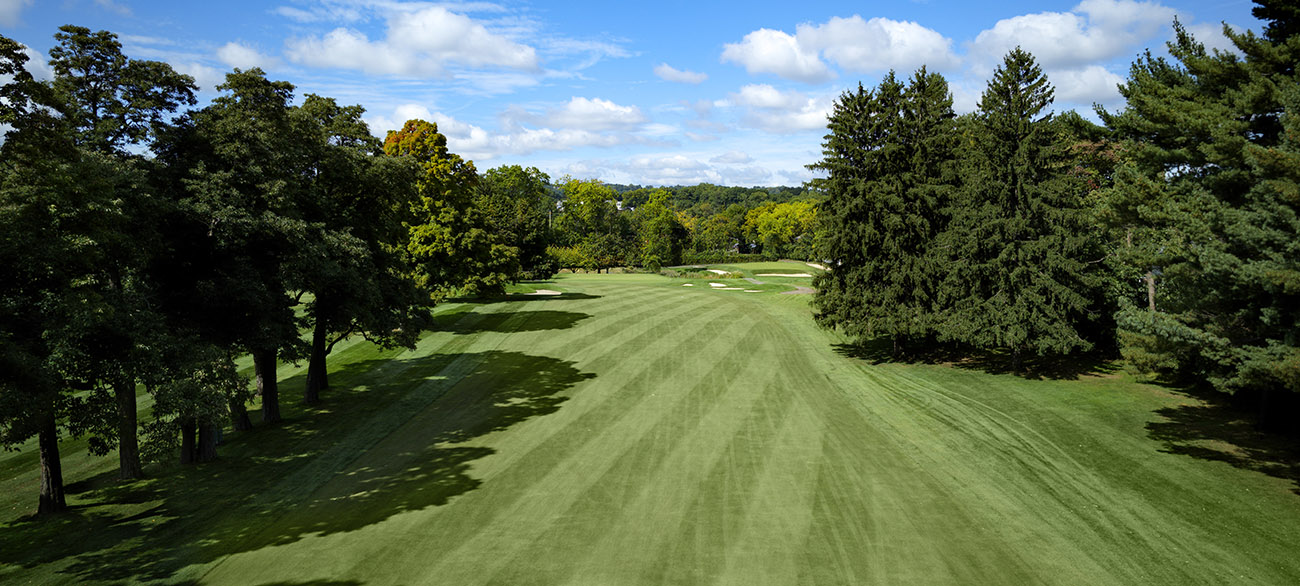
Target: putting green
(634, 431)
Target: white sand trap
(719, 271)
(688, 284)
(817, 266)
(752, 291)
(729, 289)
(544, 292)
(716, 285)
(783, 275)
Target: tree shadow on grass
(1053, 367)
(390, 439)
(515, 297)
(1219, 429)
(515, 321)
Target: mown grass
(633, 431)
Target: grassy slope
(644, 432)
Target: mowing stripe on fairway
(632, 431)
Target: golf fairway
(634, 431)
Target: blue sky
(655, 93)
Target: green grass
(634, 431)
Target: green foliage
(112, 102)
(1208, 204)
(592, 224)
(519, 210)
(453, 251)
(1025, 264)
(889, 160)
(198, 391)
(784, 229)
(660, 231)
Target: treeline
(685, 197)
(146, 248)
(1171, 234)
(651, 228)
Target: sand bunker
(784, 275)
(544, 292)
(728, 289)
(752, 291)
(719, 271)
(716, 285)
(817, 266)
(688, 284)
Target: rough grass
(633, 431)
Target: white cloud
(207, 77)
(781, 112)
(878, 44)
(36, 65)
(581, 113)
(777, 52)
(667, 72)
(1087, 85)
(244, 57)
(114, 7)
(853, 43)
(496, 82)
(732, 158)
(591, 52)
(669, 169)
(421, 43)
(1095, 30)
(766, 96)
(1211, 35)
(359, 10)
(11, 11)
(475, 143)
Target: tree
(783, 229)
(354, 266)
(662, 235)
(239, 167)
(591, 222)
(35, 157)
(448, 240)
(57, 203)
(1024, 260)
(890, 171)
(1209, 193)
(519, 210)
(110, 104)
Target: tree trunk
(264, 365)
(316, 366)
(128, 444)
(239, 420)
(188, 431)
(52, 497)
(1150, 278)
(207, 448)
(1016, 359)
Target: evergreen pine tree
(1213, 182)
(1019, 240)
(890, 163)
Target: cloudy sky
(660, 93)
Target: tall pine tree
(888, 160)
(1213, 141)
(1020, 243)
